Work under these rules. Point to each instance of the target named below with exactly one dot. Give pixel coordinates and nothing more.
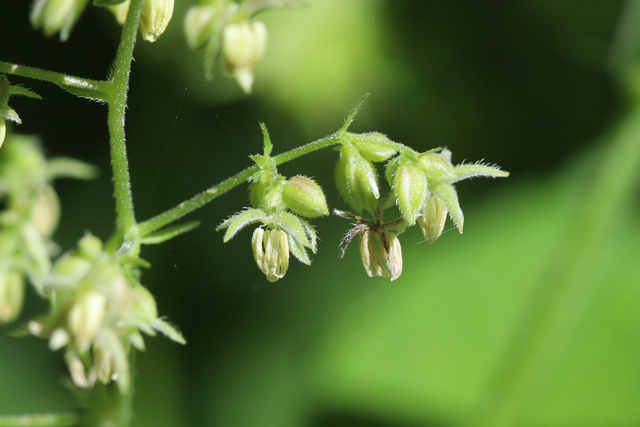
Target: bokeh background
(525, 84)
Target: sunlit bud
(438, 167)
(11, 295)
(373, 146)
(357, 180)
(155, 18)
(46, 211)
(3, 130)
(271, 252)
(410, 188)
(243, 46)
(199, 25)
(144, 304)
(56, 16)
(432, 220)
(305, 197)
(86, 317)
(381, 254)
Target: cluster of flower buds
(6, 112)
(421, 187)
(29, 218)
(278, 204)
(98, 312)
(229, 34)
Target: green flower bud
(11, 295)
(271, 252)
(199, 25)
(155, 18)
(86, 317)
(304, 197)
(46, 211)
(357, 179)
(410, 187)
(373, 146)
(56, 16)
(438, 167)
(381, 254)
(243, 46)
(432, 219)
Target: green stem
(125, 215)
(567, 288)
(87, 88)
(40, 420)
(218, 190)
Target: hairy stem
(40, 420)
(125, 215)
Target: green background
(525, 84)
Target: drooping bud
(86, 317)
(410, 187)
(243, 46)
(271, 252)
(357, 179)
(305, 197)
(381, 254)
(373, 146)
(11, 295)
(56, 16)
(432, 220)
(155, 18)
(46, 211)
(199, 25)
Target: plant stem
(218, 190)
(567, 288)
(40, 420)
(125, 215)
(93, 89)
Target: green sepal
(373, 146)
(410, 188)
(296, 228)
(466, 171)
(357, 179)
(449, 196)
(169, 233)
(438, 167)
(298, 250)
(304, 197)
(351, 115)
(240, 220)
(23, 91)
(168, 330)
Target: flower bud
(381, 254)
(373, 146)
(46, 212)
(86, 317)
(56, 16)
(243, 46)
(271, 252)
(199, 25)
(410, 188)
(155, 18)
(357, 180)
(3, 130)
(432, 219)
(438, 167)
(305, 197)
(11, 295)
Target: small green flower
(304, 197)
(55, 16)
(409, 185)
(271, 252)
(243, 46)
(357, 179)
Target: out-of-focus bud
(381, 254)
(271, 252)
(56, 16)
(357, 180)
(11, 295)
(46, 211)
(432, 219)
(305, 197)
(199, 25)
(410, 187)
(243, 46)
(86, 317)
(3, 130)
(438, 167)
(373, 146)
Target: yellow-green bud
(357, 179)
(56, 16)
(199, 25)
(271, 252)
(3, 130)
(11, 295)
(373, 146)
(438, 167)
(243, 46)
(432, 220)
(86, 317)
(46, 211)
(155, 18)
(410, 188)
(381, 254)
(305, 197)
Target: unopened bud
(373, 146)
(46, 211)
(357, 180)
(432, 220)
(305, 197)
(271, 252)
(3, 130)
(86, 317)
(11, 295)
(199, 25)
(155, 18)
(410, 187)
(56, 16)
(381, 254)
(243, 46)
